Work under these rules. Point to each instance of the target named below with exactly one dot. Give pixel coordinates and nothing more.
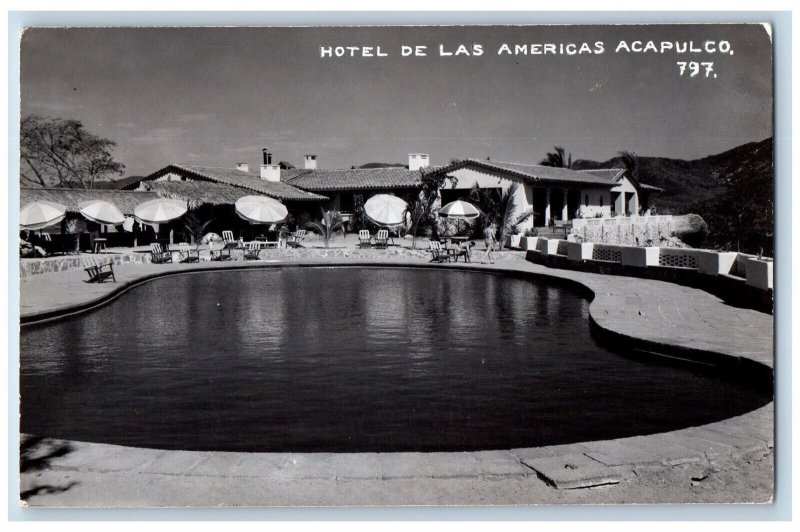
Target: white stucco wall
(172, 177)
(468, 177)
(599, 203)
(623, 204)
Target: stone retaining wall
(28, 267)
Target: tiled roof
(197, 192)
(125, 200)
(533, 173)
(353, 179)
(609, 173)
(119, 184)
(651, 187)
(250, 181)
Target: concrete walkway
(729, 461)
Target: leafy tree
(59, 152)
(487, 201)
(422, 206)
(742, 218)
(327, 228)
(358, 220)
(556, 159)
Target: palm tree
(487, 200)
(631, 162)
(327, 228)
(509, 217)
(556, 159)
(501, 211)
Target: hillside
(732, 191)
(689, 182)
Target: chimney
(267, 156)
(243, 167)
(271, 172)
(418, 160)
(310, 162)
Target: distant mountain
(732, 191)
(686, 183)
(381, 165)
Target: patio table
(99, 243)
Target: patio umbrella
(261, 210)
(41, 214)
(159, 210)
(101, 212)
(385, 209)
(460, 209)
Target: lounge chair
(439, 253)
(230, 242)
(462, 251)
(98, 272)
(364, 239)
(298, 237)
(382, 239)
(159, 256)
(186, 253)
(252, 250)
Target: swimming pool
(351, 360)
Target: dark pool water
(350, 359)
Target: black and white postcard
(502, 265)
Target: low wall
(625, 230)
(737, 278)
(28, 267)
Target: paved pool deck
(728, 461)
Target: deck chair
(298, 237)
(364, 240)
(252, 250)
(382, 239)
(98, 272)
(230, 242)
(464, 250)
(159, 256)
(438, 253)
(186, 253)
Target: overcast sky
(216, 96)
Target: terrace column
(547, 207)
(565, 207)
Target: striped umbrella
(101, 212)
(41, 214)
(460, 209)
